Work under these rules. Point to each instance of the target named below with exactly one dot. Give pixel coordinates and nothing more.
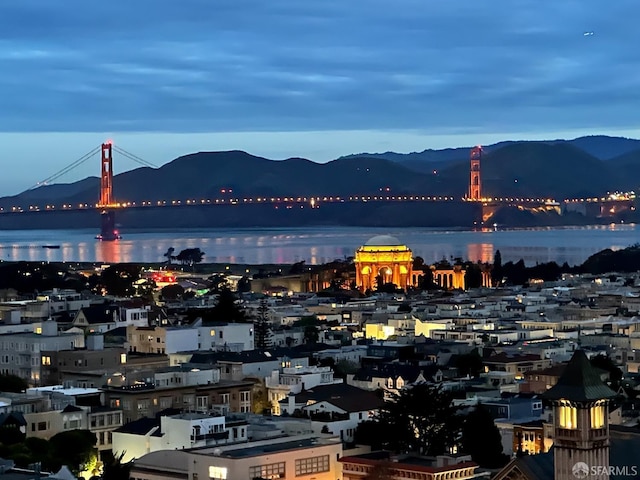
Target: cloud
(286, 65)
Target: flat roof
(270, 448)
(65, 391)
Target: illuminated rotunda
(385, 257)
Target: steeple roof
(580, 382)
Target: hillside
(204, 175)
(556, 169)
(599, 146)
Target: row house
(104, 317)
(20, 352)
(336, 409)
(174, 391)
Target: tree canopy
(421, 418)
(481, 439)
(190, 256)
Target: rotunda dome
(383, 241)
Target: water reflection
(318, 245)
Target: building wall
(236, 337)
(224, 468)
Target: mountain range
(585, 166)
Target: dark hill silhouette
(535, 169)
(627, 168)
(542, 169)
(600, 146)
(203, 175)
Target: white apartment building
(20, 352)
(292, 380)
(177, 432)
(232, 337)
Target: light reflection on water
(318, 244)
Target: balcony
(210, 436)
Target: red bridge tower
(107, 205)
(475, 192)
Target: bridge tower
(107, 205)
(475, 184)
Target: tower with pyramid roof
(581, 421)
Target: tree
(12, 383)
(190, 256)
(262, 328)
(218, 282)
(473, 276)
(244, 284)
(603, 362)
(420, 418)
(172, 292)
(226, 310)
(119, 280)
(114, 468)
(469, 363)
(481, 439)
(497, 272)
(169, 255)
(74, 448)
(311, 334)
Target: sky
(314, 79)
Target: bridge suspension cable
(67, 169)
(133, 157)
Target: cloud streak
(285, 65)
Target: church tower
(581, 422)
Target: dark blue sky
(317, 79)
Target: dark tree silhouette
(481, 439)
(169, 255)
(244, 284)
(190, 256)
(226, 310)
(497, 272)
(119, 280)
(473, 276)
(262, 328)
(172, 292)
(311, 334)
(114, 467)
(12, 383)
(469, 363)
(421, 418)
(73, 448)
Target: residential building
(310, 456)
(293, 380)
(177, 432)
(20, 352)
(400, 467)
(336, 409)
(232, 337)
(163, 340)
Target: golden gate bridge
(107, 205)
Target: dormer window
(567, 415)
(400, 382)
(389, 382)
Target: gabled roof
(71, 408)
(346, 397)
(17, 417)
(409, 373)
(97, 314)
(580, 382)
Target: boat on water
(51, 246)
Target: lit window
(123, 358)
(38, 330)
(567, 415)
(46, 361)
(597, 416)
(212, 333)
(218, 473)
